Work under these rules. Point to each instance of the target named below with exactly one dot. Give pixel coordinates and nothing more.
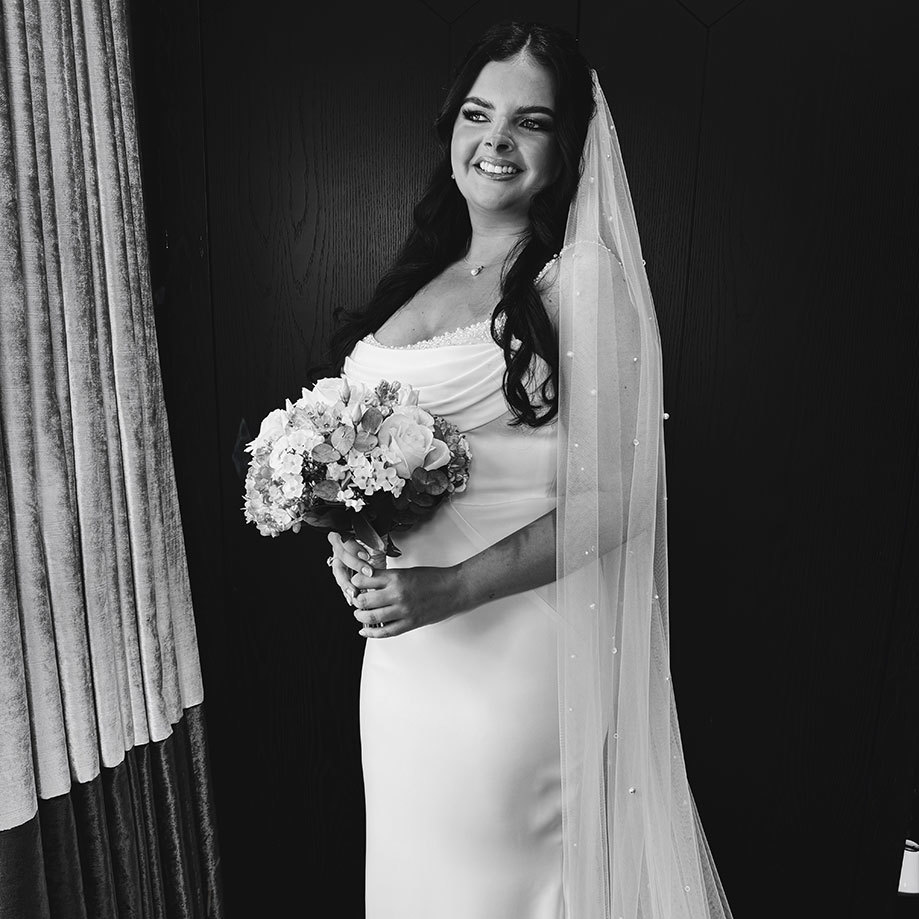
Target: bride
(520, 746)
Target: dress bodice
(461, 383)
(459, 376)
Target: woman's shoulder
(547, 286)
(547, 281)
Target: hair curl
(442, 231)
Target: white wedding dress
(459, 719)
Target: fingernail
(367, 571)
(363, 556)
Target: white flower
(328, 391)
(336, 472)
(414, 414)
(292, 487)
(285, 461)
(407, 395)
(273, 425)
(304, 439)
(348, 497)
(438, 455)
(355, 404)
(408, 442)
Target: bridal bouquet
(355, 460)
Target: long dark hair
(442, 232)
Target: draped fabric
(635, 847)
(139, 840)
(98, 652)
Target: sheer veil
(633, 842)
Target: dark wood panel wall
(771, 153)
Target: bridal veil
(633, 843)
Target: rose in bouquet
(359, 461)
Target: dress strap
(545, 268)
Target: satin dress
(459, 720)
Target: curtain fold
(137, 841)
(105, 802)
(98, 645)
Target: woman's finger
(368, 582)
(370, 618)
(396, 627)
(342, 575)
(373, 600)
(349, 551)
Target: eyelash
(540, 126)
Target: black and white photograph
(459, 460)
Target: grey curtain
(98, 640)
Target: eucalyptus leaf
(365, 442)
(343, 438)
(432, 482)
(325, 453)
(371, 420)
(327, 490)
(438, 483)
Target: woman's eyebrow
(523, 110)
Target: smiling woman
(518, 734)
(504, 149)
(521, 97)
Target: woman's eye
(531, 124)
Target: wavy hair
(441, 230)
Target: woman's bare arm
(523, 560)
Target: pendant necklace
(476, 270)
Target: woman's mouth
(497, 173)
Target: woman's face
(507, 119)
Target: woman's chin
(512, 205)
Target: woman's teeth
(497, 170)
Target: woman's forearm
(521, 561)
(526, 559)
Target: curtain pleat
(57, 869)
(98, 653)
(22, 890)
(137, 842)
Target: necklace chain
(476, 270)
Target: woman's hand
(349, 557)
(402, 598)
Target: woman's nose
(499, 139)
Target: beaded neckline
(467, 334)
